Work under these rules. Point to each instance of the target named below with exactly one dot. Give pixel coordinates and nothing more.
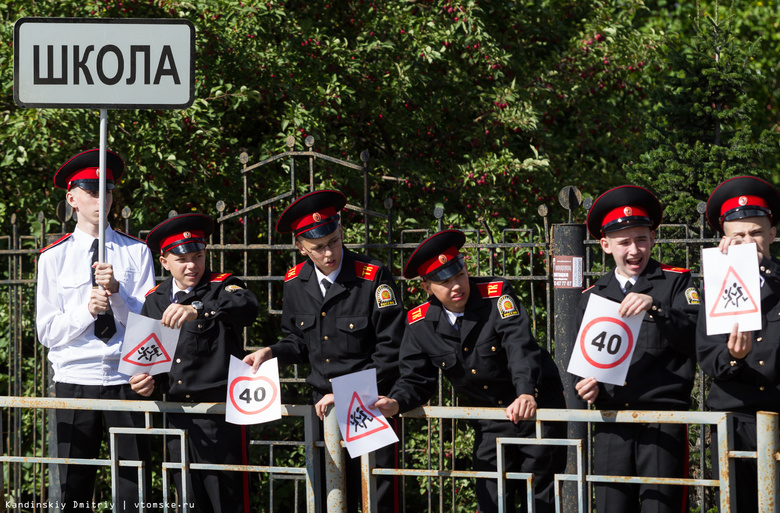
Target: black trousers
(646, 450)
(80, 434)
(211, 440)
(543, 461)
(746, 478)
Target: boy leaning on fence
(744, 366)
(341, 313)
(662, 368)
(211, 309)
(81, 312)
(477, 333)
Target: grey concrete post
(568, 253)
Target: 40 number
(612, 345)
(258, 395)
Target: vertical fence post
(335, 465)
(568, 253)
(767, 446)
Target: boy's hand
(739, 344)
(104, 276)
(258, 357)
(322, 405)
(98, 301)
(142, 384)
(388, 407)
(588, 389)
(524, 407)
(176, 314)
(634, 303)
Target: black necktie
(627, 287)
(105, 327)
(179, 297)
(326, 283)
(459, 322)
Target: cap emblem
(443, 259)
(628, 211)
(317, 217)
(743, 201)
(187, 235)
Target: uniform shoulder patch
(56, 242)
(219, 276)
(506, 306)
(294, 272)
(417, 313)
(672, 269)
(385, 296)
(233, 288)
(366, 271)
(152, 289)
(491, 289)
(692, 296)
(120, 232)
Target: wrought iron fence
(245, 244)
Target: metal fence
(245, 244)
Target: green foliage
(701, 126)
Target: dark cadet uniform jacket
(663, 366)
(358, 325)
(200, 365)
(491, 361)
(752, 383)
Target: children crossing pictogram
(361, 421)
(149, 352)
(734, 297)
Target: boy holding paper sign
(661, 372)
(477, 333)
(744, 365)
(211, 309)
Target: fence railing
(330, 448)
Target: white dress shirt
(63, 321)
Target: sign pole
(102, 187)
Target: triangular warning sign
(734, 297)
(149, 352)
(361, 422)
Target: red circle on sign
(258, 378)
(623, 326)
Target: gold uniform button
(206, 314)
(327, 360)
(178, 360)
(213, 312)
(485, 387)
(200, 326)
(761, 362)
(733, 363)
(325, 337)
(187, 396)
(179, 382)
(500, 402)
(626, 405)
(625, 383)
(351, 326)
(301, 323)
(763, 268)
(323, 314)
(761, 388)
(443, 364)
(466, 349)
(759, 339)
(493, 348)
(473, 371)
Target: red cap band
(741, 202)
(624, 211)
(177, 239)
(310, 221)
(89, 173)
(438, 261)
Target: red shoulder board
(293, 273)
(152, 289)
(492, 289)
(120, 232)
(56, 242)
(219, 276)
(417, 313)
(671, 269)
(366, 271)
